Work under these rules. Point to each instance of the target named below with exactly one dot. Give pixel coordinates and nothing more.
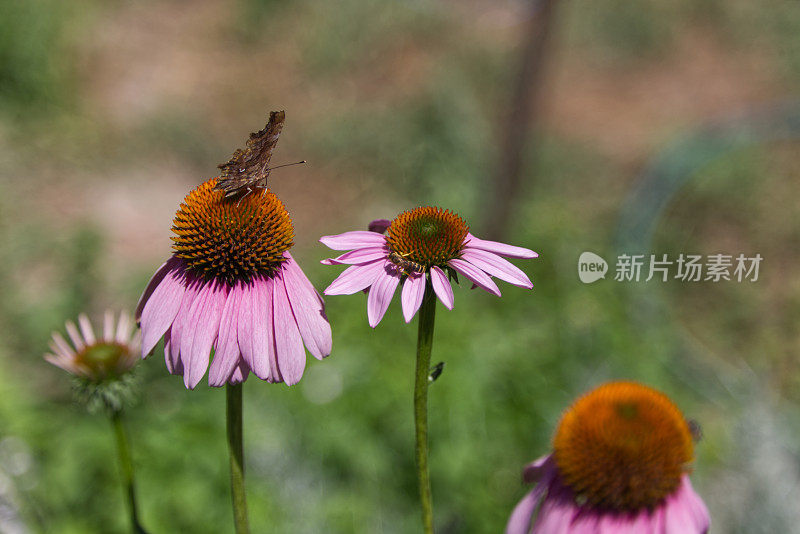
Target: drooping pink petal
(302, 278)
(441, 286)
(161, 309)
(381, 293)
(411, 296)
(170, 265)
(352, 240)
(379, 225)
(355, 278)
(262, 289)
(521, 517)
(289, 351)
(172, 356)
(496, 266)
(239, 373)
(204, 322)
(244, 325)
(180, 324)
(475, 275)
(359, 256)
(226, 351)
(503, 249)
(308, 311)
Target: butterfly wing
(248, 167)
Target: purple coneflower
(102, 365)
(619, 465)
(232, 286)
(421, 244)
(95, 359)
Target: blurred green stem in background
(126, 468)
(427, 314)
(233, 397)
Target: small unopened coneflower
(620, 464)
(422, 249)
(423, 246)
(231, 285)
(101, 364)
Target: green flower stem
(427, 314)
(126, 468)
(233, 397)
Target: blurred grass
(334, 454)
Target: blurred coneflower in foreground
(620, 464)
(424, 248)
(102, 366)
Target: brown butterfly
(248, 169)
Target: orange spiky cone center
(623, 446)
(428, 236)
(232, 239)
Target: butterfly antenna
(287, 165)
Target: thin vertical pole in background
(521, 117)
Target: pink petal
(684, 511)
(359, 256)
(355, 278)
(411, 296)
(496, 266)
(300, 276)
(261, 315)
(75, 336)
(379, 225)
(86, 329)
(521, 517)
(170, 265)
(62, 345)
(534, 471)
(308, 311)
(351, 240)
(161, 309)
(226, 351)
(291, 356)
(108, 326)
(509, 251)
(124, 327)
(244, 324)
(475, 275)
(380, 294)
(556, 515)
(180, 324)
(240, 373)
(542, 471)
(442, 288)
(172, 357)
(196, 343)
